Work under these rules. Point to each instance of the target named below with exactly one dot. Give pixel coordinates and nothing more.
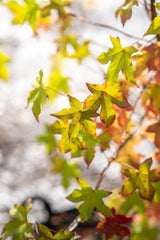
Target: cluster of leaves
(103, 119)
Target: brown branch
(82, 19)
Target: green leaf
(19, 227)
(48, 139)
(120, 59)
(44, 232)
(80, 118)
(131, 201)
(57, 82)
(58, 5)
(154, 28)
(125, 11)
(158, 5)
(66, 169)
(91, 199)
(38, 96)
(26, 12)
(106, 95)
(142, 180)
(104, 140)
(144, 232)
(61, 235)
(3, 69)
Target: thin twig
(82, 19)
(74, 224)
(56, 91)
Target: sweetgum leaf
(144, 231)
(142, 180)
(154, 28)
(131, 201)
(19, 227)
(155, 128)
(106, 95)
(48, 139)
(3, 69)
(58, 5)
(120, 59)
(125, 11)
(114, 226)
(66, 169)
(91, 199)
(57, 82)
(26, 12)
(38, 96)
(44, 232)
(80, 118)
(61, 235)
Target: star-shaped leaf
(48, 139)
(114, 226)
(155, 128)
(154, 28)
(106, 95)
(141, 179)
(18, 227)
(81, 118)
(26, 12)
(91, 199)
(66, 169)
(38, 95)
(120, 59)
(125, 11)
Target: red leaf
(114, 226)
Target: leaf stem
(56, 91)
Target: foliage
(103, 122)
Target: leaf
(61, 235)
(48, 139)
(92, 199)
(66, 169)
(125, 11)
(58, 5)
(143, 231)
(81, 118)
(155, 128)
(3, 69)
(38, 96)
(154, 28)
(44, 232)
(105, 95)
(70, 42)
(120, 59)
(57, 82)
(142, 180)
(19, 227)
(114, 226)
(65, 144)
(151, 99)
(131, 201)
(104, 140)
(26, 12)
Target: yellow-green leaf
(120, 59)
(154, 28)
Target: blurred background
(24, 168)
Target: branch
(82, 19)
